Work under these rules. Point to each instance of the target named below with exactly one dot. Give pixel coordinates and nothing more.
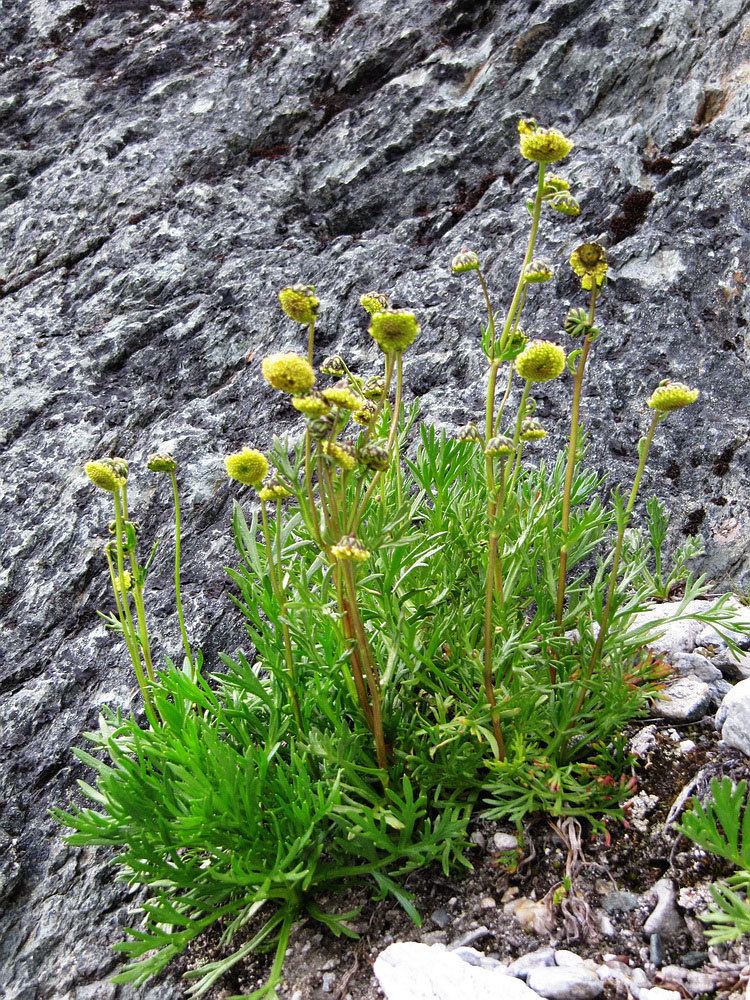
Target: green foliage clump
(430, 635)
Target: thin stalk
(279, 595)
(490, 315)
(392, 442)
(314, 514)
(310, 342)
(644, 447)
(369, 671)
(354, 658)
(177, 591)
(140, 677)
(504, 400)
(389, 366)
(570, 468)
(130, 640)
(488, 673)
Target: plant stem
(643, 449)
(490, 316)
(310, 342)
(369, 668)
(177, 591)
(279, 595)
(570, 467)
(389, 366)
(133, 647)
(392, 442)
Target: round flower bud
(669, 396)
(540, 361)
(248, 466)
(542, 145)
(589, 261)
(374, 387)
(121, 468)
(161, 461)
(365, 413)
(538, 270)
(566, 204)
(321, 427)
(517, 340)
(532, 430)
(464, 261)
(469, 432)
(343, 454)
(394, 329)
(374, 302)
(288, 373)
(103, 475)
(499, 445)
(312, 404)
(374, 456)
(553, 183)
(299, 303)
(349, 548)
(333, 366)
(273, 489)
(341, 395)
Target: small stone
(605, 925)
(684, 700)
(686, 746)
(565, 983)
(475, 934)
(734, 718)
(478, 838)
(532, 916)
(408, 970)
(329, 981)
(505, 842)
(643, 742)
(657, 993)
(563, 957)
(621, 901)
(473, 957)
(541, 958)
(655, 951)
(487, 903)
(441, 918)
(695, 665)
(665, 920)
(694, 959)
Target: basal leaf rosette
(668, 396)
(249, 467)
(541, 361)
(542, 145)
(288, 373)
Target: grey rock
(408, 970)
(683, 700)
(695, 665)
(505, 841)
(568, 983)
(734, 718)
(541, 958)
(474, 957)
(441, 918)
(665, 919)
(173, 169)
(567, 958)
(621, 901)
(470, 936)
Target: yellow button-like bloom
(500, 446)
(349, 548)
(247, 466)
(532, 430)
(540, 361)
(465, 260)
(394, 329)
(342, 454)
(103, 475)
(342, 395)
(374, 302)
(671, 396)
(542, 145)
(589, 261)
(288, 372)
(299, 303)
(312, 404)
(162, 461)
(273, 489)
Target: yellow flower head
(540, 361)
(127, 580)
(469, 432)
(288, 373)
(671, 396)
(538, 271)
(542, 145)
(374, 456)
(565, 203)
(465, 260)
(374, 302)
(104, 475)
(374, 387)
(247, 466)
(341, 395)
(312, 404)
(553, 183)
(334, 366)
(394, 329)
(589, 261)
(342, 454)
(349, 548)
(365, 413)
(500, 445)
(532, 430)
(299, 303)
(273, 489)
(162, 461)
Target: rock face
(167, 165)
